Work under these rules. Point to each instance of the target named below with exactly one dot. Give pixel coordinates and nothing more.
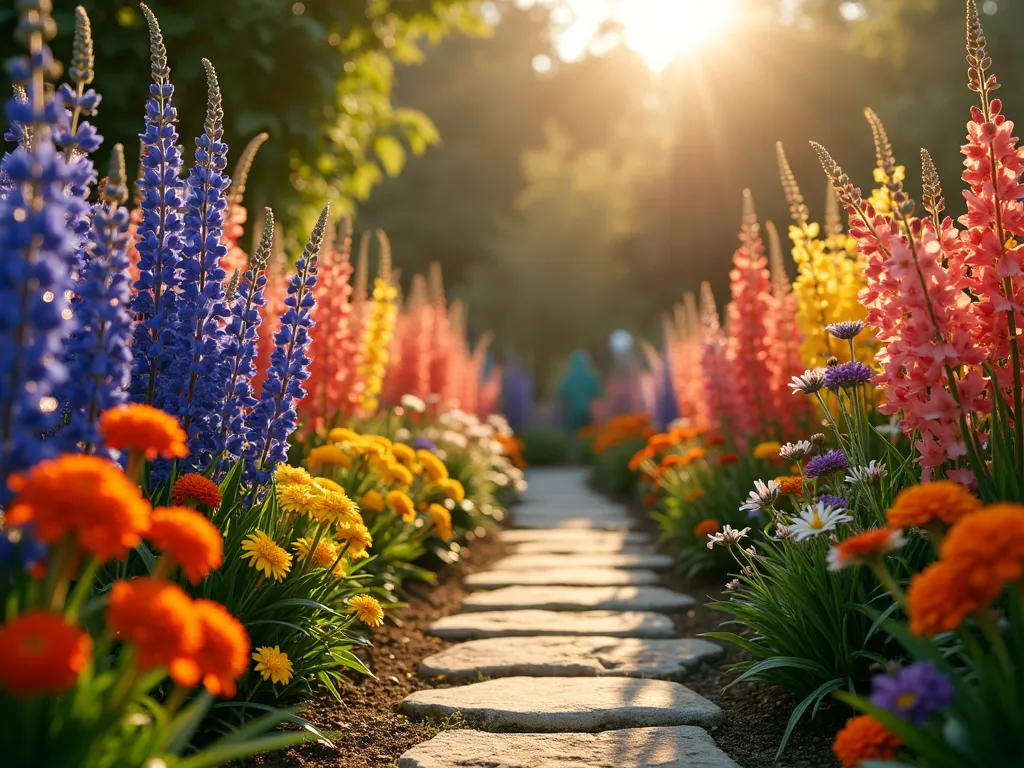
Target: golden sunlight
(659, 30)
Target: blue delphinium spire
(273, 419)
(159, 232)
(240, 347)
(38, 254)
(199, 370)
(99, 356)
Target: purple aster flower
(424, 443)
(273, 420)
(829, 500)
(827, 463)
(847, 375)
(846, 330)
(914, 692)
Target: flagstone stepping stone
(578, 599)
(566, 577)
(681, 746)
(568, 656)
(579, 538)
(570, 546)
(566, 704)
(464, 626)
(574, 523)
(543, 561)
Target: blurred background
(573, 165)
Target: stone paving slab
(541, 561)
(569, 656)
(565, 577)
(574, 523)
(681, 746)
(568, 546)
(578, 599)
(532, 623)
(544, 704)
(580, 538)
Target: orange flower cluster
(512, 447)
(942, 501)
(622, 428)
(790, 485)
(864, 738)
(145, 429)
(41, 654)
(706, 527)
(197, 488)
(189, 539)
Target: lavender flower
(809, 382)
(159, 233)
(273, 419)
(846, 329)
(914, 692)
(99, 359)
(847, 376)
(198, 370)
(827, 463)
(38, 254)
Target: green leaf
(391, 154)
(814, 697)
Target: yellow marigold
(195, 487)
(189, 539)
(336, 507)
(41, 654)
(920, 505)
(327, 456)
(790, 484)
(379, 439)
(265, 555)
(300, 499)
(273, 664)
(398, 474)
(864, 738)
(358, 538)
(767, 450)
(372, 501)
(84, 495)
(367, 610)
(705, 527)
(402, 505)
(324, 556)
(433, 466)
(988, 546)
(452, 489)
(442, 520)
(404, 453)
(289, 475)
(342, 435)
(136, 427)
(327, 484)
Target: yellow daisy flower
(372, 501)
(328, 456)
(442, 520)
(767, 450)
(433, 466)
(358, 538)
(397, 474)
(287, 475)
(323, 556)
(328, 484)
(402, 505)
(337, 507)
(452, 489)
(342, 435)
(264, 555)
(367, 610)
(300, 499)
(273, 664)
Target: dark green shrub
(545, 446)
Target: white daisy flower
(726, 537)
(796, 451)
(413, 403)
(809, 382)
(817, 518)
(867, 475)
(732, 586)
(762, 497)
(782, 533)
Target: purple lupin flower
(273, 420)
(38, 254)
(198, 370)
(847, 376)
(99, 356)
(827, 463)
(158, 234)
(914, 692)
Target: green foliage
(545, 446)
(611, 472)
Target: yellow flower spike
(266, 556)
(273, 664)
(367, 610)
(379, 331)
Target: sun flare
(659, 30)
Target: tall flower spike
(38, 253)
(98, 352)
(357, 329)
(158, 236)
(833, 218)
(237, 215)
(241, 333)
(798, 209)
(198, 371)
(891, 196)
(273, 420)
(380, 329)
(715, 366)
(932, 198)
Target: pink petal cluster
(716, 368)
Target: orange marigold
(864, 738)
(865, 547)
(84, 495)
(442, 520)
(920, 505)
(694, 454)
(402, 506)
(223, 654)
(137, 427)
(639, 458)
(41, 654)
(706, 527)
(694, 495)
(988, 546)
(942, 596)
(188, 538)
(788, 484)
(195, 487)
(372, 501)
(159, 620)
(661, 442)
(674, 460)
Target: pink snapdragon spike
(441, 331)
(409, 370)
(748, 343)
(686, 342)
(275, 293)
(716, 368)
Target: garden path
(570, 658)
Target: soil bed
(366, 729)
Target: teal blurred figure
(579, 388)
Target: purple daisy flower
(827, 464)
(847, 375)
(424, 443)
(914, 692)
(829, 500)
(846, 330)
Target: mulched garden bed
(367, 730)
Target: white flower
(726, 537)
(732, 586)
(782, 533)
(748, 570)
(817, 518)
(837, 560)
(810, 382)
(795, 451)
(867, 475)
(762, 497)
(751, 552)
(413, 403)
